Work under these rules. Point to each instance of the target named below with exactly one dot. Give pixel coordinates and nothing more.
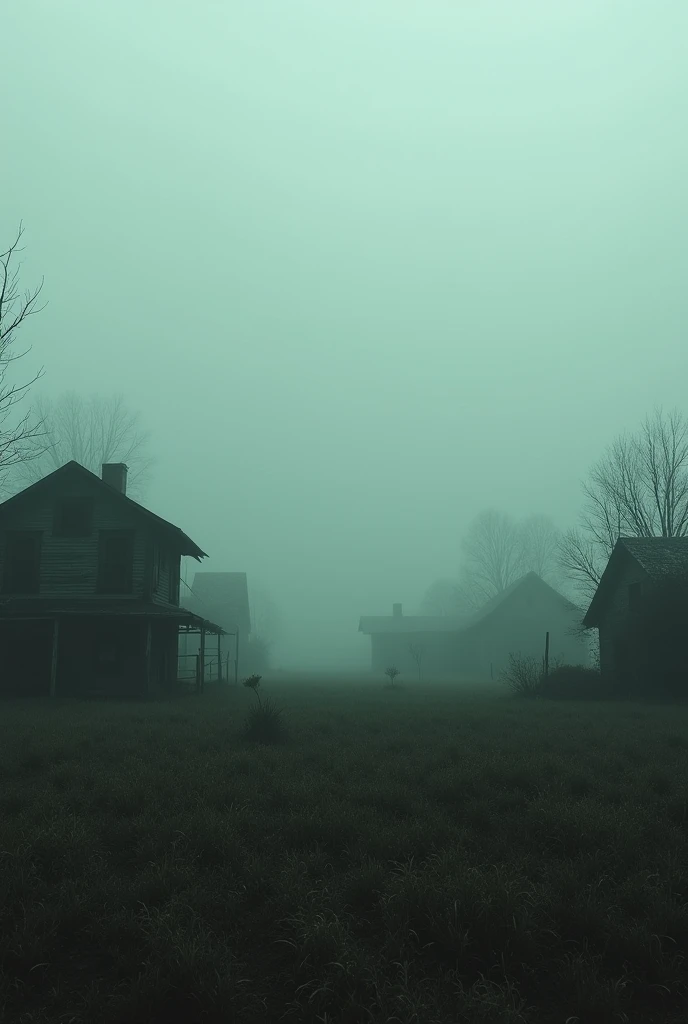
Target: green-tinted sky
(367, 266)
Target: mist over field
(362, 270)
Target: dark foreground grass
(415, 855)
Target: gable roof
(222, 596)
(459, 623)
(661, 558)
(529, 581)
(73, 470)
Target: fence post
(546, 662)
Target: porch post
(236, 659)
(53, 662)
(202, 656)
(149, 646)
(219, 658)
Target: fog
(365, 268)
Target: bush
(523, 676)
(265, 724)
(574, 682)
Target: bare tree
(20, 436)
(493, 555)
(639, 488)
(444, 597)
(90, 431)
(498, 550)
(541, 541)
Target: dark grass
(419, 855)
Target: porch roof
(29, 608)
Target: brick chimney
(396, 611)
(115, 474)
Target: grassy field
(426, 855)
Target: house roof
(529, 581)
(222, 595)
(72, 470)
(458, 623)
(42, 608)
(661, 558)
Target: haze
(366, 268)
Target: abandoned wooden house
(478, 644)
(89, 589)
(640, 610)
(222, 597)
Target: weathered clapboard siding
(69, 565)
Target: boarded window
(116, 562)
(22, 562)
(73, 517)
(635, 593)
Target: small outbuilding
(640, 609)
(478, 645)
(223, 598)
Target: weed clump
(392, 672)
(264, 723)
(524, 676)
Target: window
(635, 593)
(174, 580)
(73, 517)
(116, 562)
(22, 562)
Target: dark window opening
(635, 592)
(116, 562)
(22, 562)
(73, 517)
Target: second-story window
(73, 517)
(22, 567)
(635, 594)
(116, 562)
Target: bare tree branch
(90, 431)
(498, 550)
(639, 488)
(20, 438)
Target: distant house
(477, 645)
(640, 609)
(89, 589)
(222, 597)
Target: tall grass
(440, 856)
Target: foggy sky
(366, 268)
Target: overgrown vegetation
(525, 677)
(265, 722)
(449, 858)
(392, 674)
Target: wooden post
(236, 659)
(219, 658)
(53, 663)
(546, 672)
(202, 657)
(149, 649)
